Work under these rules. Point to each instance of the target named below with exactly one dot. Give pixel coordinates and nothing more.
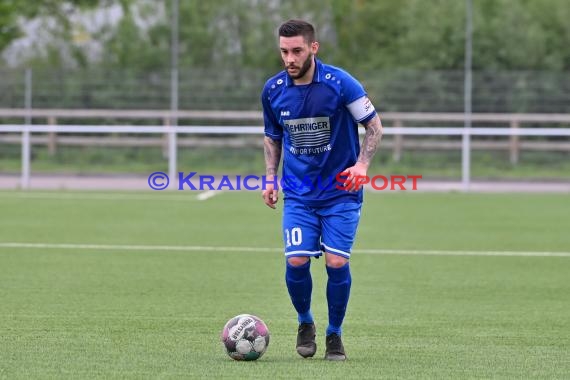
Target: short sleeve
(272, 127)
(356, 100)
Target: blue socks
(300, 286)
(338, 291)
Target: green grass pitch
(108, 305)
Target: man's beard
(303, 70)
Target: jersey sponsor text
(309, 135)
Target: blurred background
(167, 63)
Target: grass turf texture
(93, 313)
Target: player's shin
(338, 292)
(300, 286)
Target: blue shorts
(310, 231)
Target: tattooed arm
(272, 149)
(367, 150)
(371, 140)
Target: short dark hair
(293, 28)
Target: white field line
(181, 248)
(127, 247)
(207, 194)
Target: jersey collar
(316, 76)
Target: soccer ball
(245, 337)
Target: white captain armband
(361, 108)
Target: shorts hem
(303, 254)
(336, 252)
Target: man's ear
(314, 47)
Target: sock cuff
(339, 274)
(297, 273)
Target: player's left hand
(356, 176)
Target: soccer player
(311, 113)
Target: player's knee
(335, 261)
(297, 261)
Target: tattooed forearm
(371, 140)
(272, 150)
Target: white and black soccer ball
(245, 337)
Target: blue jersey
(318, 125)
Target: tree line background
(409, 53)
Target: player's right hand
(270, 195)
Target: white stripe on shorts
(334, 250)
(308, 253)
